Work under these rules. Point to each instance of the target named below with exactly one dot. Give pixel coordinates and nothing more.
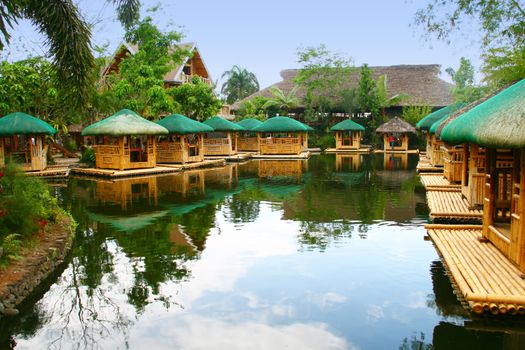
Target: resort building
(348, 135)
(222, 141)
(396, 133)
(125, 140)
(282, 135)
(185, 141)
(247, 140)
(22, 141)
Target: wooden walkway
(486, 279)
(450, 206)
(437, 182)
(52, 171)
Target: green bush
(322, 142)
(9, 249)
(88, 156)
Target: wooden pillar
(123, 158)
(356, 139)
(259, 142)
(386, 144)
(490, 188)
(517, 229)
(405, 142)
(305, 140)
(338, 139)
(464, 165)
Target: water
(324, 254)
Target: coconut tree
(239, 84)
(68, 36)
(281, 100)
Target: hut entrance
(193, 145)
(346, 138)
(28, 151)
(138, 148)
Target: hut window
(138, 151)
(347, 138)
(187, 70)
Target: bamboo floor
(450, 206)
(239, 157)
(410, 151)
(483, 276)
(360, 150)
(437, 182)
(424, 167)
(55, 171)
(302, 155)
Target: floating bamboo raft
(357, 150)
(485, 278)
(449, 205)
(50, 172)
(437, 182)
(302, 155)
(239, 157)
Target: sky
(263, 36)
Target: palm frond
(128, 11)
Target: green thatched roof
(19, 123)
(282, 124)
(122, 123)
(221, 124)
(498, 122)
(427, 122)
(180, 124)
(249, 123)
(347, 125)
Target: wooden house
(348, 135)
(125, 140)
(185, 141)
(396, 135)
(191, 66)
(498, 125)
(247, 140)
(282, 135)
(22, 141)
(222, 141)
(434, 144)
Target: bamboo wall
(400, 148)
(452, 162)
(178, 150)
(473, 175)
(33, 156)
(220, 146)
(348, 139)
(436, 154)
(248, 143)
(119, 156)
(288, 168)
(294, 143)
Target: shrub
(9, 249)
(88, 156)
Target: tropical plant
(239, 84)
(415, 112)
(254, 107)
(464, 89)
(196, 99)
(284, 102)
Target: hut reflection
(348, 162)
(394, 161)
(126, 191)
(225, 177)
(286, 168)
(188, 182)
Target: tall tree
(196, 99)
(465, 90)
(502, 25)
(239, 84)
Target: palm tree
(68, 36)
(239, 84)
(284, 102)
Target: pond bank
(21, 277)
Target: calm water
(324, 254)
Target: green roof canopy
(20, 123)
(282, 124)
(122, 123)
(180, 124)
(499, 122)
(221, 124)
(347, 125)
(427, 122)
(249, 123)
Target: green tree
(465, 90)
(196, 100)
(502, 26)
(239, 84)
(415, 112)
(254, 107)
(284, 102)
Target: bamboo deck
(450, 206)
(485, 278)
(160, 169)
(359, 150)
(302, 155)
(437, 182)
(239, 157)
(410, 151)
(50, 172)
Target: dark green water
(324, 254)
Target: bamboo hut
(125, 140)
(395, 134)
(248, 139)
(282, 135)
(185, 141)
(498, 124)
(347, 135)
(22, 140)
(433, 144)
(223, 140)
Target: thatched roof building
(347, 125)
(182, 125)
(396, 126)
(427, 122)
(249, 123)
(282, 124)
(20, 123)
(221, 124)
(420, 82)
(123, 123)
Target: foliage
(281, 101)
(88, 156)
(196, 100)
(254, 107)
(465, 90)
(139, 84)
(26, 203)
(501, 23)
(239, 84)
(415, 112)
(322, 142)
(10, 247)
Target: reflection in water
(324, 253)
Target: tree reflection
(415, 343)
(315, 235)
